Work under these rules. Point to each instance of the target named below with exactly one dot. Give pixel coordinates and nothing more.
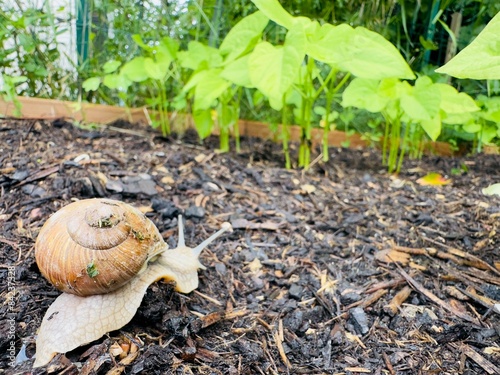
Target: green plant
(315, 60)
(29, 48)
(410, 112)
(219, 76)
(481, 58)
(152, 70)
(8, 91)
(482, 127)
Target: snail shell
(95, 246)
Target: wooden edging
(50, 109)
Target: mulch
(341, 269)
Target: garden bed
(300, 286)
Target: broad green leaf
(274, 11)
(493, 189)
(457, 118)
(432, 127)
(209, 89)
(393, 88)
(197, 54)
(273, 69)
(153, 70)
(194, 80)
(170, 45)
(422, 103)
(166, 52)
(134, 70)
(488, 133)
(237, 72)
(370, 55)
(364, 93)
(472, 128)
(203, 122)
(91, 84)
(328, 44)
(163, 59)
(116, 81)
(110, 66)
(453, 102)
(491, 108)
(243, 36)
(481, 58)
(360, 51)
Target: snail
(103, 254)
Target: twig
(486, 365)
(401, 296)
(420, 288)
(388, 364)
(278, 339)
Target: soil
(341, 269)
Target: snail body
(103, 254)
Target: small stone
(210, 186)
(367, 177)
(350, 297)
(33, 191)
(20, 175)
(294, 320)
(170, 211)
(136, 185)
(195, 211)
(158, 204)
(359, 320)
(295, 291)
(58, 183)
(220, 268)
(114, 185)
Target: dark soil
(300, 286)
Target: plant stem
(386, 138)
(326, 129)
(285, 133)
(403, 148)
(306, 115)
(237, 118)
(394, 145)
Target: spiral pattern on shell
(95, 246)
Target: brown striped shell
(95, 246)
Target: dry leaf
(168, 180)
(433, 179)
(492, 350)
(308, 188)
(391, 256)
(255, 265)
(200, 157)
(493, 189)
